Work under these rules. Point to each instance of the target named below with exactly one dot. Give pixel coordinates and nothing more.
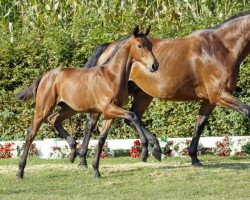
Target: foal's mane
(241, 14)
(101, 48)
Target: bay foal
(201, 66)
(100, 90)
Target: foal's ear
(148, 30)
(136, 30)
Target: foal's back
(79, 88)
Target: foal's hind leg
(39, 117)
(56, 120)
(92, 119)
(205, 111)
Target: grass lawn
(126, 178)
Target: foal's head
(141, 49)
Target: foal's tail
(30, 92)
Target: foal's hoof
(157, 154)
(198, 164)
(144, 159)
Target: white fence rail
(44, 146)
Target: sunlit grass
(126, 178)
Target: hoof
(97, 176)
(72, 157)
(198, 164)
(83, 166)
(19, 176)
(144, 159)
(156, 154)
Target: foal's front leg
(116, 112)
(140, 104)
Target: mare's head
(141, 49)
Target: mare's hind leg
(139, 105)
(229, 101)
(102, 138)
(205, 111)
(39, 117)
(56, 120)
(92, 119)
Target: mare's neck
(235, 35)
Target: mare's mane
(241, 14)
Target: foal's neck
(236, 37)
(120, 65)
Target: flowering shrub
(179, 148)
(92, 149)
(33, 151)
(6, 150)
(135, 149)
(222, 148)
(59, 152)
(105, 151)
(227, 147)
(246, 147)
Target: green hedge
(36, 36)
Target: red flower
(137, 143)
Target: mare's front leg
(56, 120)
(205, 111)
(140, 104)
(92, 119)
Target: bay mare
(100, 90)
(201, 66)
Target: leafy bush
(36, 36)
(246, 148)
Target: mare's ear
(136, 30)
(148, 30)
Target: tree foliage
(39, 35)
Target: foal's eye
(139, 46)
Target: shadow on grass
(227, 165)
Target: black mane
(101, 48)
(241, 14)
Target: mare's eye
(139, 46)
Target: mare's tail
(30, 92)
(96, 54)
